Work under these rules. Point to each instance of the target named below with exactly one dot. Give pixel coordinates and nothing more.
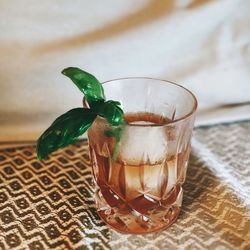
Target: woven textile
(50, 205)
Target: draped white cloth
(202, 44)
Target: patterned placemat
(50, 205)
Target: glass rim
(171, 122)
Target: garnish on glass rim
(68, 127)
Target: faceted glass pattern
(140, 191)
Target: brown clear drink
(141, 195)
(140, 189)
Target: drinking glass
(138, 176)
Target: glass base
(129, 217)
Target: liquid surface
(145, 118)
(140, 191)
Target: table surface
(50, 204)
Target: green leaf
(112, 111)
(69, 126)
(87, 83)
(64, 130)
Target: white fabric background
(202, 44)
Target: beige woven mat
(51, 206)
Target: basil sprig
(68, 127)
(112, 111)
(64, 130)
(87, 84)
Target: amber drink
(139, 178)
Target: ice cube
(143, 145)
